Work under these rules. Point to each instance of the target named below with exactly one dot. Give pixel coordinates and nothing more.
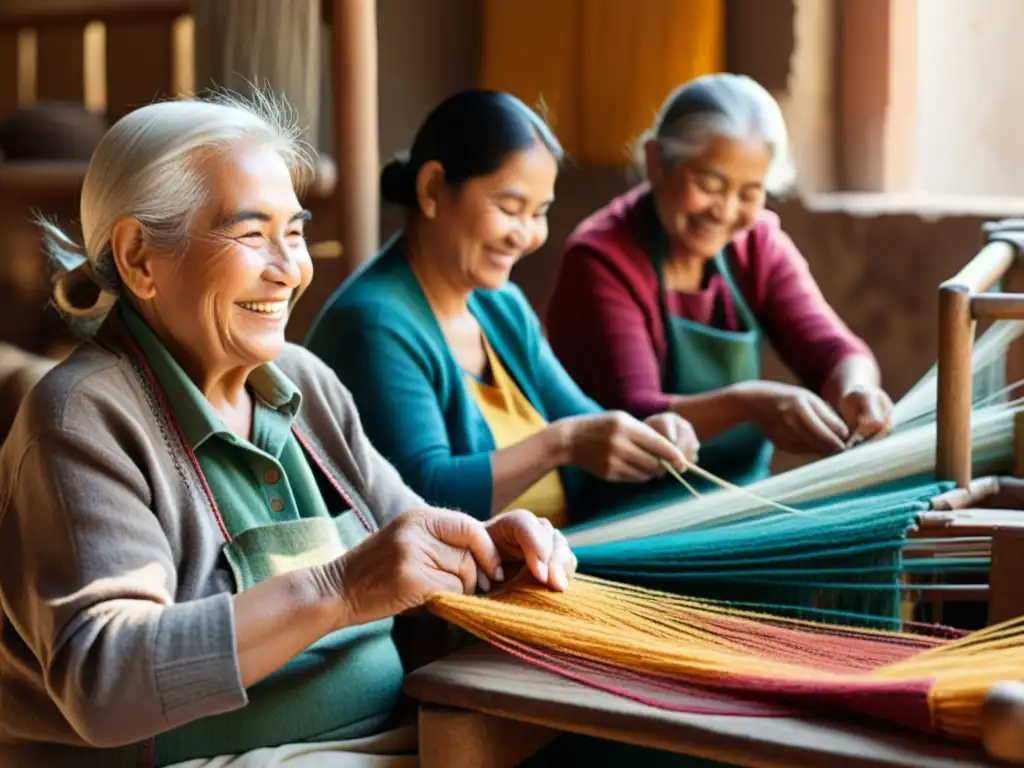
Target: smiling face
(224, 302)
(704, 203)
(488, 223)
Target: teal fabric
(348, 684)
(703, 359)
(841, 564)
(345, 686)
(380, 336)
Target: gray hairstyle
(722, 104)
(146, 167)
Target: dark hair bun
(470, 134)
(398, 183)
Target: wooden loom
(481, 707)
(963, 300)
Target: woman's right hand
(617, 447)
(418, 554)
(793, 418)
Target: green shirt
(347, 684)
(260, 482)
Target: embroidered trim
(165, 411)
(330, 473)
(154, 406)
(165, 419)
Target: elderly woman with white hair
(665, 294)
(201, 554)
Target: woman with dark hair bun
(454, 380)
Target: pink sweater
(605, 323)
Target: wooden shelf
(63, 178)
(60, 178)
(54, 178)
(27, 12)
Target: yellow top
(512, 419)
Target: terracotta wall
(970, 97)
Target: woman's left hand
(522, 537)
(867, 411)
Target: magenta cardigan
(604, 320)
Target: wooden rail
(962, 301)
(25, 13)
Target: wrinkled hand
(867, 412)
(615, 446)
(522, 537)
(418, 554)
(793, 418)
(677, 431)
(984, 493)
(426, 551)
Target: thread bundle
(655, 646)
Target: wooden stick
(987, 268)
(956, 380)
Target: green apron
(356, 666)
(702, 359)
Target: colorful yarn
(657, 647)
(841, 561)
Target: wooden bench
(482, 708)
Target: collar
(196, 417)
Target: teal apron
(304, 695)
(702, 359)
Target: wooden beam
(8, 73)
(356, 144)
(1006, 589)
(878, 81)
(139, 63)
(60, 63)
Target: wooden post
(1005, 588)
(878, 104)
(274, 43)
(356, 143)
(956, 380)
(1013, 282)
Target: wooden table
(483, 708)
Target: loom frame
(480, 707)
(964, 299)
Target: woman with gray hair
(201, 554)
(666, 293)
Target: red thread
(307, 444)
(169, 416)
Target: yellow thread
(657, 633)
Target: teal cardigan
(380, 336)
